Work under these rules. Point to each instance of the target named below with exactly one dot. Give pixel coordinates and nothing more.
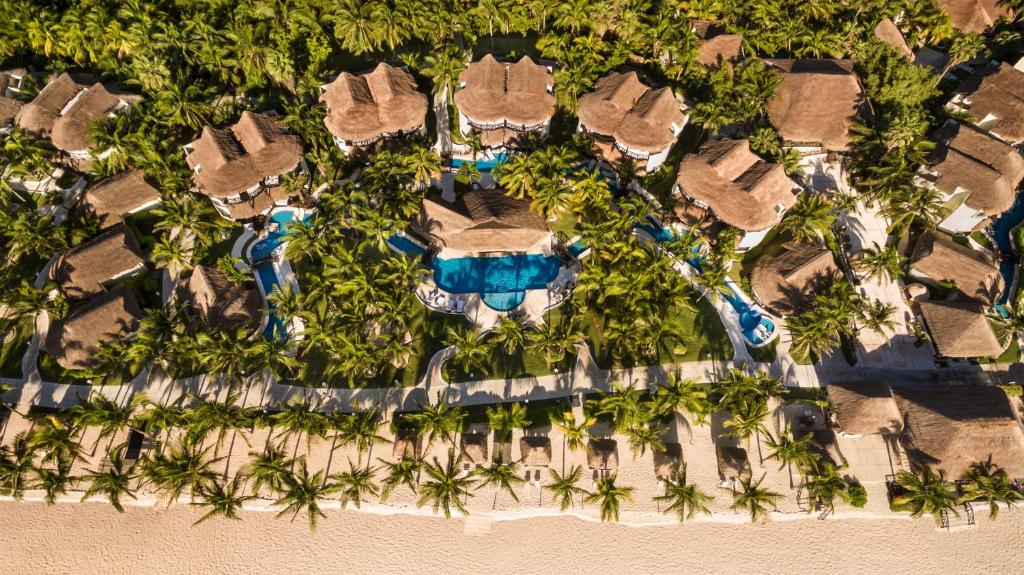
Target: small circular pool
(503, 301)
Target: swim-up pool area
(482, 164)
(1002, 230)
(501, 281)
(265, 271)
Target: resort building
(505, 102)
(241, 168)
(960, 329)
(221, 304)
(726, 181)
(937, 258)
(74, 341)
(483, 221)
(120, 195)
(716, 47)
(816, 104)
(993, 97)
(864, 408)
(787, 281)
(625, 118)
(65, 109)
(975, 15)
(976, 173)
(367, 108)
(958, 426)
(888, 32)
(11, 82)
(88, 269)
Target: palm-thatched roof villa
(727, 181)
(960, 329)
(482, 221)
(787, 280)
(120, 195)
(975, 15)
(363, 109)
(10, 91)
(625, 118)
(65, 109)
(976, 174)
(74, 342)
(887, 31)
(937, 258)
(816, 104)
(504, 102)
(993, 97)
(864, 408)
(716, 46)
(221, 304)
(89, 268)
(240, 168)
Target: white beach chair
(460, 305)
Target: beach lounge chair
(460, 305)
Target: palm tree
(54, 482)
(269, 468)
(686, 500)
(98, 411)
(678, 394)
(517, 175)
(446, 487)
(298, 417)
(575, 434)
(789, 450)
(503, 420)
(610, 496)
(469, 172)
(437, 420)
(511, 335)
(184, 467)
(354, 483)
(425, 164)
(992, 484)
(929, 492)
(16, 463)
(444, 67)
(964, 47)
(556, 340)
(222, 499)
(810, 219)
(222, 416)
(361, 428)
(114, 482)
(754, 499)
(883, 263)
(471, 351)
(156, 418)
(621, 404)
(644, 435)
(565, 488)
(172, 255)
(402, 472)
(56, 440)
(747, 419)
(878, 316)
(303, 491)
(823, 485)
(503, 476)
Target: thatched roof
(83, 270)
(474, 448)
(71, 130)
(732, 462)
(787, 281)
(74, 341)
(220, 303)
(995, 94)
(817, 102)
(968, 159)
(716, 47)
(494, 92)
(887, 32)
(8, 106)
(233, 160)
(953, 428)
(638, 117)
(603, 454)
(864, 407)
(960, 329)
(39, 116)
(739, 187)
(365, 107)
(485, 220)
(666, 463)
(406, 444)
(975, 15)
(121, 194)
(941, 259)
(535, 450)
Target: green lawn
(223, 247)
(142, 225)
(501, 365)
(538, 413)
(12, 351)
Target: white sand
(93, 538)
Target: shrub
(858, 495)
(1014, 390)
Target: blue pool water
(405, 245)
(501, 281)
(577, 248)
(265, 272)
(1001, 231)
(483, 165)
(263, 248)
(268, 279)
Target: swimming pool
(1002, 230)
(484, 165)
(501, 281)
(268, 279)
(405, 245)
(263, 248)
(265, 272)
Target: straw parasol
(535, 450)
(668, 462)
(474, 448)
(407, 444)
(864, 407)
(603, 454)
(732, 462)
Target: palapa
(888, 32)
(960, 329)
(94, 104)
(222, 304)
(968, 159)
(74, 342)
(85, 269)
(638, 117)
(994, 97)
(497, 93)
(120, 194)
(941, 259)
(817, 102)
(787, 281)
(484, 221)
(864, 407)
(535, 450)
(603, 454)
(474, 448)
(667, 463)
(369, 106)
(975, 15)
(732, 462)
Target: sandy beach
(93, 538)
